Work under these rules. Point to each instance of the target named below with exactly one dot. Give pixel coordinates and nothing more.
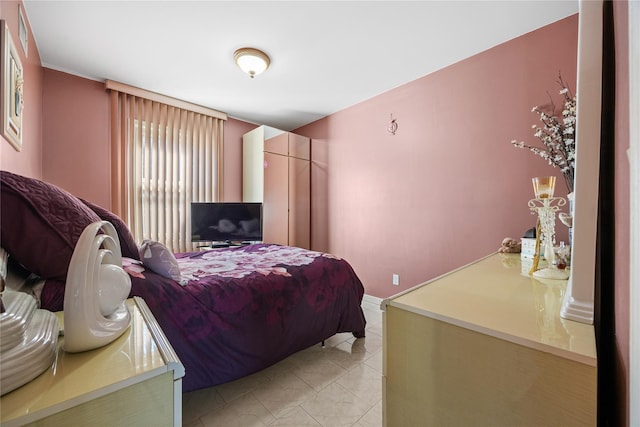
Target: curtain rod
(152, 96)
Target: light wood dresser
(485, 346)
(135, 380)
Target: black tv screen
(226, 222)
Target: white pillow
(159, 259)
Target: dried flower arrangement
(557, 135)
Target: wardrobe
(277, 172)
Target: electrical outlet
(395, 279)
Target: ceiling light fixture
(251, 61)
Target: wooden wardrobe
(277, 172)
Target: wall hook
(392, 127)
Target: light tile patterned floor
(338, 385)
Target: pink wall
(76, 150)
(77, 132)
(621, 208)
(28, 161)
(448, 187)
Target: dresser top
(140, 353)
(493, 297)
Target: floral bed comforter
(239, 310)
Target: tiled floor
(338, 385)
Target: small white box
(528, 248)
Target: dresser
(485, 345)
(135, 380)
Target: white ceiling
(325, 55)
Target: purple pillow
(52, 295)
(128, 245)
(40, 224)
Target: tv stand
(219, 245)
(229, 244)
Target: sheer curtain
(165, 153)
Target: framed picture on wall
(12, 81)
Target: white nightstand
(135, 380)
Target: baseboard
(370, 299)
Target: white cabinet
(135, 380)
(485, 345)
(277, 172)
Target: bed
(227, 312)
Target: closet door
(278, 144)
(299, 146)
(299, 191)
(299, 203)
(275, 220)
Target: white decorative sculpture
(28, 340)
(97, 286)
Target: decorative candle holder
(543, 187)
(546, 206)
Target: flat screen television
(225, 222)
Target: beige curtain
(166, 153)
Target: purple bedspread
(240, 310)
